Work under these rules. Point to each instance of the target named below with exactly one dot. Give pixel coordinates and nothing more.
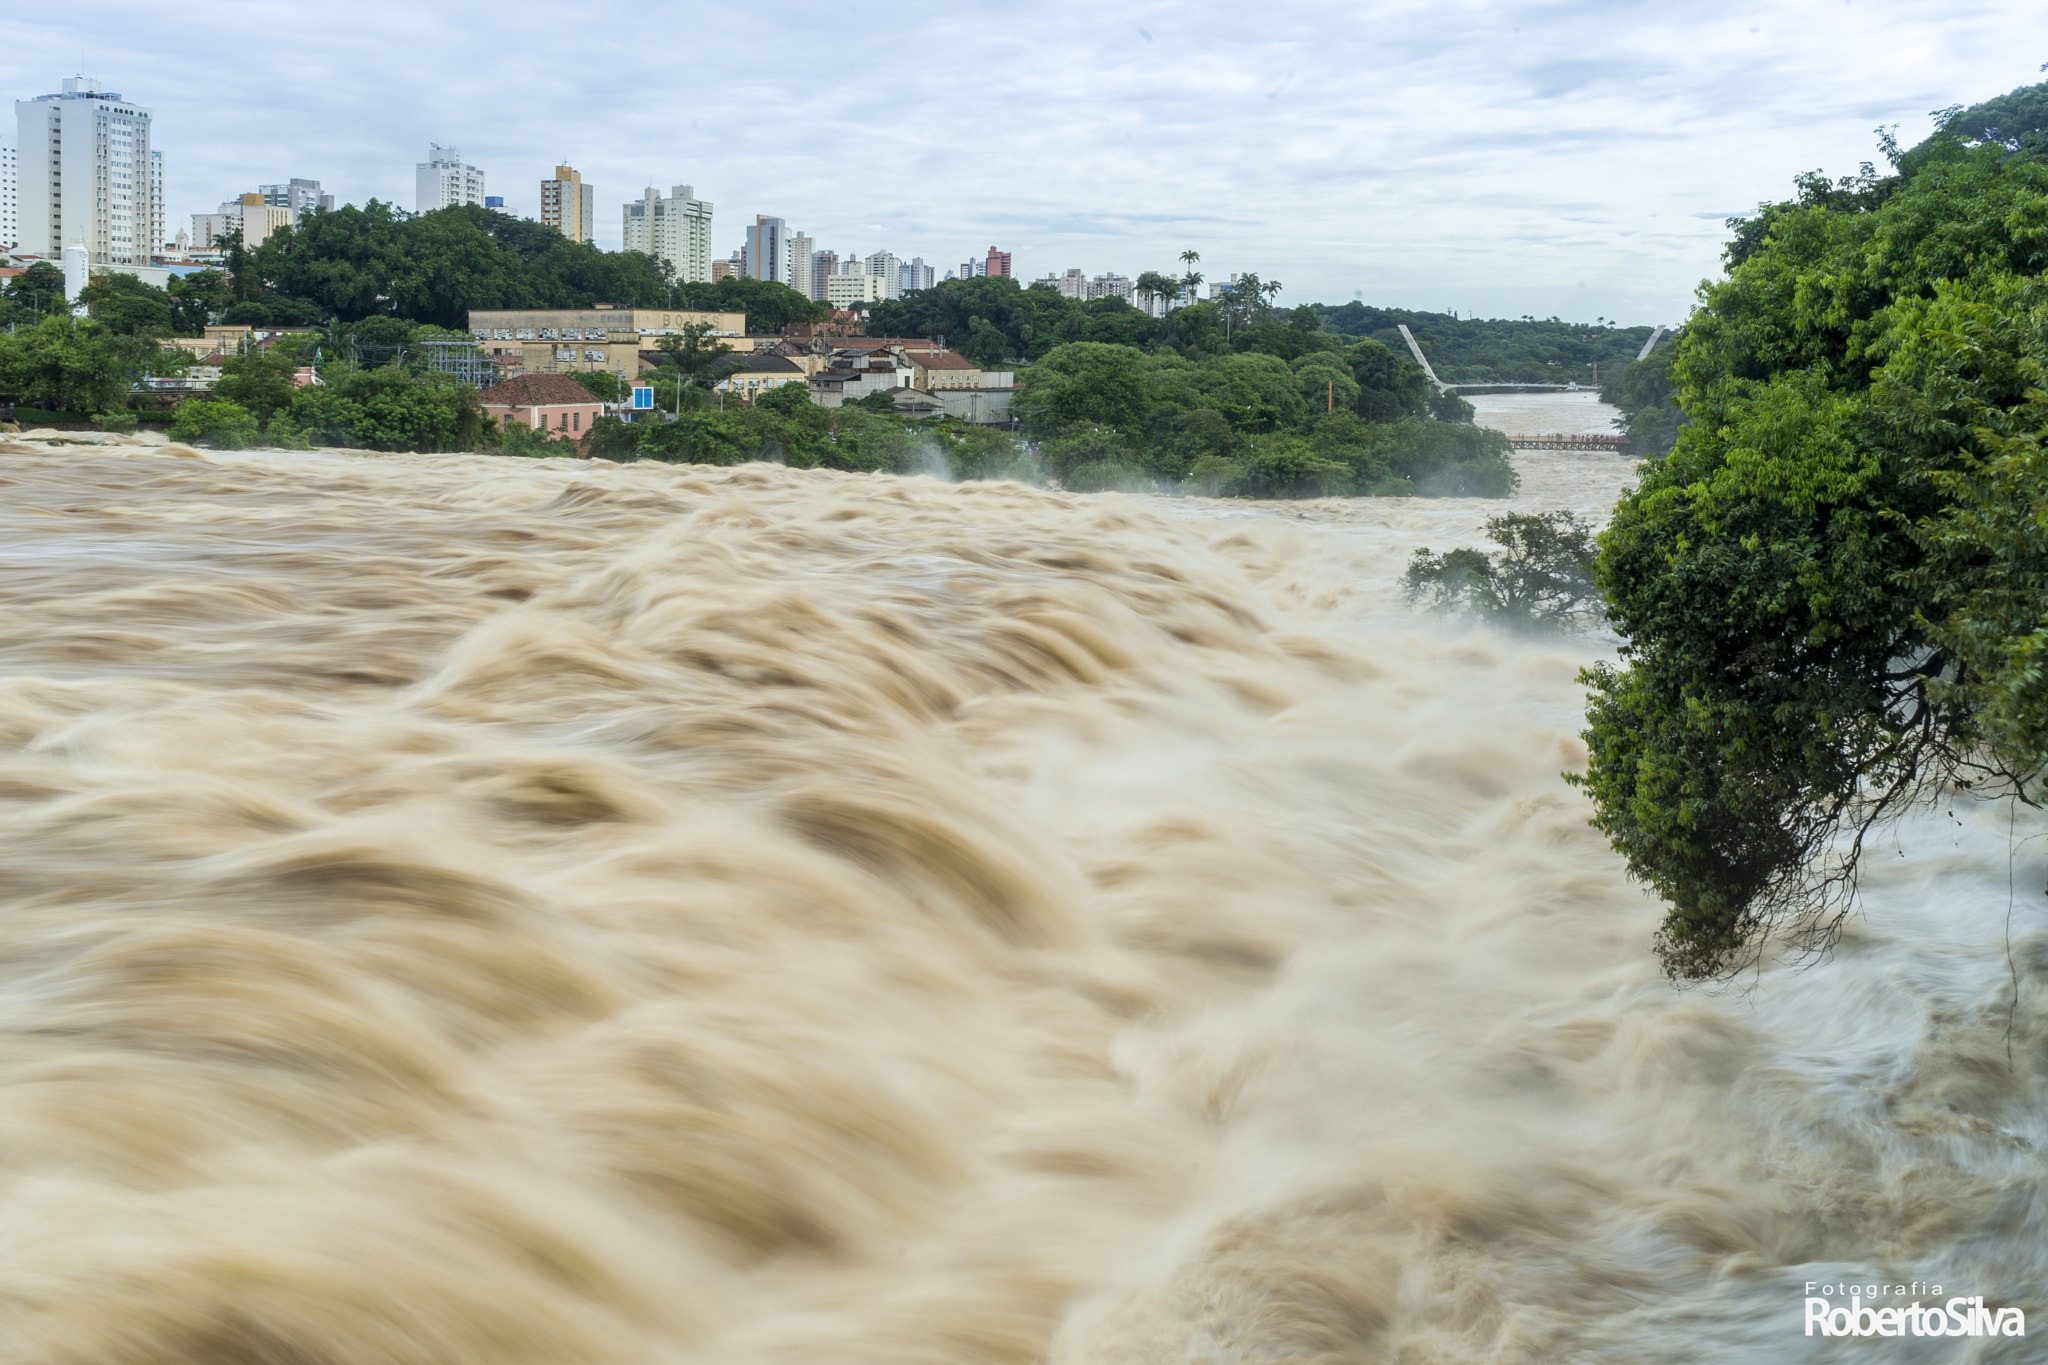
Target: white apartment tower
(442, 181)
(803, 275)
(156, 201)
(675, 229)
(86, 175)
(296, 194)
(10, 195)
(885, 266)
(770, 251)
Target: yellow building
(933, 369)
(568, 205)
(544, 340)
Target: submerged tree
(1542, 577)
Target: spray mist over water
(474, 910)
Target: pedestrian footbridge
(1559, 440)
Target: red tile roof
(536, 391)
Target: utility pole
(1330, 399)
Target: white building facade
(677, 229)
(86, 174)
(1111, 286)
(444, 180)
(885, 266)
(915, 274)
(803, 271)
(771, 251)
(846, 290)
(297, 195)
(10, 195)
(157, 226)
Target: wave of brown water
(462, 910)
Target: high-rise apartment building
(675, 229)
(824, 265)
(770, 251)
(1111, 286)
(297, 195)
(802, 275)
(442, 181)
(86, 175)
(1073, 284)
(998, 263)
(10, 195)
(156, 201)
(569, 206)
(884, 266)
(917, 275)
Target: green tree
(1086, 382)
(692, 353)
(64, 362)
(1158, 285)
(1814, 587)
(1542, 576)
(124, 304)
(37, 292)
(260, 382)
(215, 422)
(388, 408)
(198, 299)
(603, 385)
(1642, 390)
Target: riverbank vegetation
(1832, 593)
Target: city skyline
(1497, 159)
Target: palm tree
(1193, 277)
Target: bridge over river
(1560, 440)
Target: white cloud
(1497, 158)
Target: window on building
(577, 419)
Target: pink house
(550, 402)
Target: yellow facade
(546, 340)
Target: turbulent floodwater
(1579, 413)
(470, 910)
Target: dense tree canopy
(352, 263)
(1642, 390)
(1253, 423)
(1832, 590)
(64, 362)
(1495, 350)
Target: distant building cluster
(81, 181)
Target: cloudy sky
(1497, 158)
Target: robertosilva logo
(1959, 1317)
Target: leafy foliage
(387, 408)
(215, 422)
(260, 382)
(353, 263)
(1252, 424)
(67, 362)
(126, 305)
(1827, 588)
(1524, 350)
(1642, 389)
(1542, 577)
